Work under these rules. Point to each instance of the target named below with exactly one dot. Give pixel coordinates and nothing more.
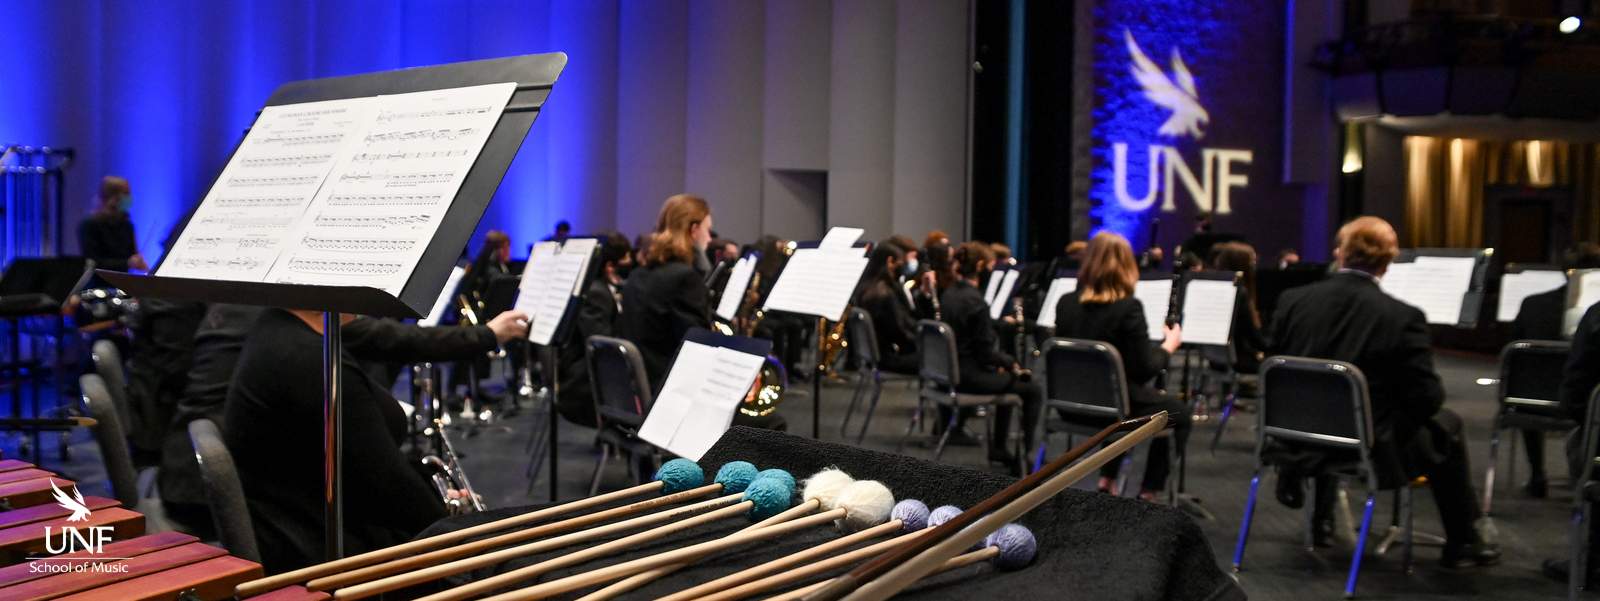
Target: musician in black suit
(985, 369)
(881, 296)
(1347, 317)
(1103, 308)
(597, 316)
(1541, 317)
(1578, 382)
(667, 295)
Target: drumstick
(960, 535)
(733, 477)
(675, 476)
(733, 507)
(1012, 547)
(908, 516)
(959, 561)
(492, 584)
(860, 505)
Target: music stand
(550, 356)
(36, 287)
(1472, 300)
(535, 77)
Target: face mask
(622, 270)
(910, 268)
(125, 203)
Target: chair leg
(916, 419)
(599, 469)
(855, 399)
(1578, 555)
(872, 407)
(1361, 548)
(1222, 422)
(1408, 523)
(1244, 525)
(938, 450)
(1308, 521)
(1511, 465)
(1488, 474)
(1122, 475)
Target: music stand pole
(816, 379)
(332, 437)
(552, 359)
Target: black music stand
(1472, 302)
(550, 356)
(36, 287)
(535, 76)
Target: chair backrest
(108, 363)
(1318, 402)
(617, 377)
(1086, 377)
(112, 438)
(938, 345)
(863, 338)
(1530, 376)
(224, 493)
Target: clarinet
(1175, 310)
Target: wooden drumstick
(959, 561)
(675, 476)
(809, 570)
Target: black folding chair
(622, 398)
(1530, 399)
(939, 376)
(224, 492)
(869, 380)
(1585, 492)
(1321, 404)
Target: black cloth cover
(1092, 546)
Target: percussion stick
(959, 561)
(877, 567)
(768, 583)
(437, 571)
(794, 559)
(496, 582)
(909, 571)
(685, 554)
(262, 585)
(441, 556)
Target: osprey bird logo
(75, 503)
(1187, 114)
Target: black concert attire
(1249, 344)
(160, 352)
(597, 316)
(474, 287)
(1578, 382)
(106, 237)
(1539, 318)
(1347, 317)
(660, 303)
(273, 426)
(893, 323)
(985, 369)
(1121, 324)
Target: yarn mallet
(678, 480)
(733, 478)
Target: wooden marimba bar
(39, 559)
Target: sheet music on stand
(1585, 291)
(1155, 294)
(738, 285)
(1059, 287)
(1517, 284)
(1208, 300)
(1446, 284)
(707, 382)
(993, 286)
(447, 298)
(818, 281)
(1002, 297)
(554, 274)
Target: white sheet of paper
(993, 286)
(817, 282)
(997, 305)
(1517, 287)
(1588, 283)
(698, 400)
(734, 292)
(1059, 287)
(535, 276)
(840, 238)
(1155, 295)
(1437, 285)
(446, 298)
(554, 285)
(1208, 312)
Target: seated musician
(493, 260)
(1578, 382)
(1103, 308)
(273, 425)
(597, 316)
(667, 295)
(985, 369)
(1541, 317)
(881, 296)
(106, 236)
(1347, 317)
(1246, 335)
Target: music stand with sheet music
(36, 287)
(677, 421)
(811, 306)
(1522, 280)
(531, 79)
(1421, 276)
(534, 282)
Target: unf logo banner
(1188, 118)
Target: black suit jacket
(1541, 316)
(977, 346)
(1582, 373)
(1120, 323)
(597, 316)
(660, 303)
(1348, 318)
(892, 318)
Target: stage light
(1570, 24)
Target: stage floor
(1277, 566)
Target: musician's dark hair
(937, 258)
(878, 267)
(970, 256)
(1583, 255)
(1109, 271)
(672, 240)
(1367, 244)
(613, 248)
(1239, 257)
(906, 244)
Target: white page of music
(446, 298)
(551, 296)
(536, 275)
(389, 190)
(1437, 285)
(1208, 312)
(1517, 287)
(817, 282)
(699, 398)
(242, 224)
(738, 285)
(1059, 287)
(1155, 295)
(997, 305)
(993, 286)
(1588, 289)
(840, 238)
